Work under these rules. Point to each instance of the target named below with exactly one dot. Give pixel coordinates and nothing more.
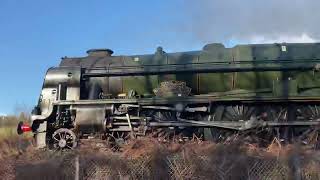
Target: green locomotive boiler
(265, 90)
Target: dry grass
(10, 132)
(8, 127)
(7, 132)
(188, 161)
(11, 144)
(148, 159)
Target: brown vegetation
(146, 158)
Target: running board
(240, 125)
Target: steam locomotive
(265, 90)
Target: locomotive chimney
(100, 52)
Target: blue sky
(35, 34)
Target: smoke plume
(254, 21)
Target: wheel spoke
(249, 112)
(56, 139)
(234, 112)
(237, 113)
(227, 116)
(309, 113)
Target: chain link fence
(177, 167)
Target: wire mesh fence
(177, 167)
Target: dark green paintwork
(280, 83)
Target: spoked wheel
(309, 112)
(118, 139)
(163, 134)
(64, 139)
(164, 116)
(236, 113)
(275, 114)
(309, 135)
(231, 113)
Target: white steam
(253, 21)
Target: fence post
(296, 167)
(76, 164)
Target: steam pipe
(197, 68)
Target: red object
(25, 128)
(22, 128)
